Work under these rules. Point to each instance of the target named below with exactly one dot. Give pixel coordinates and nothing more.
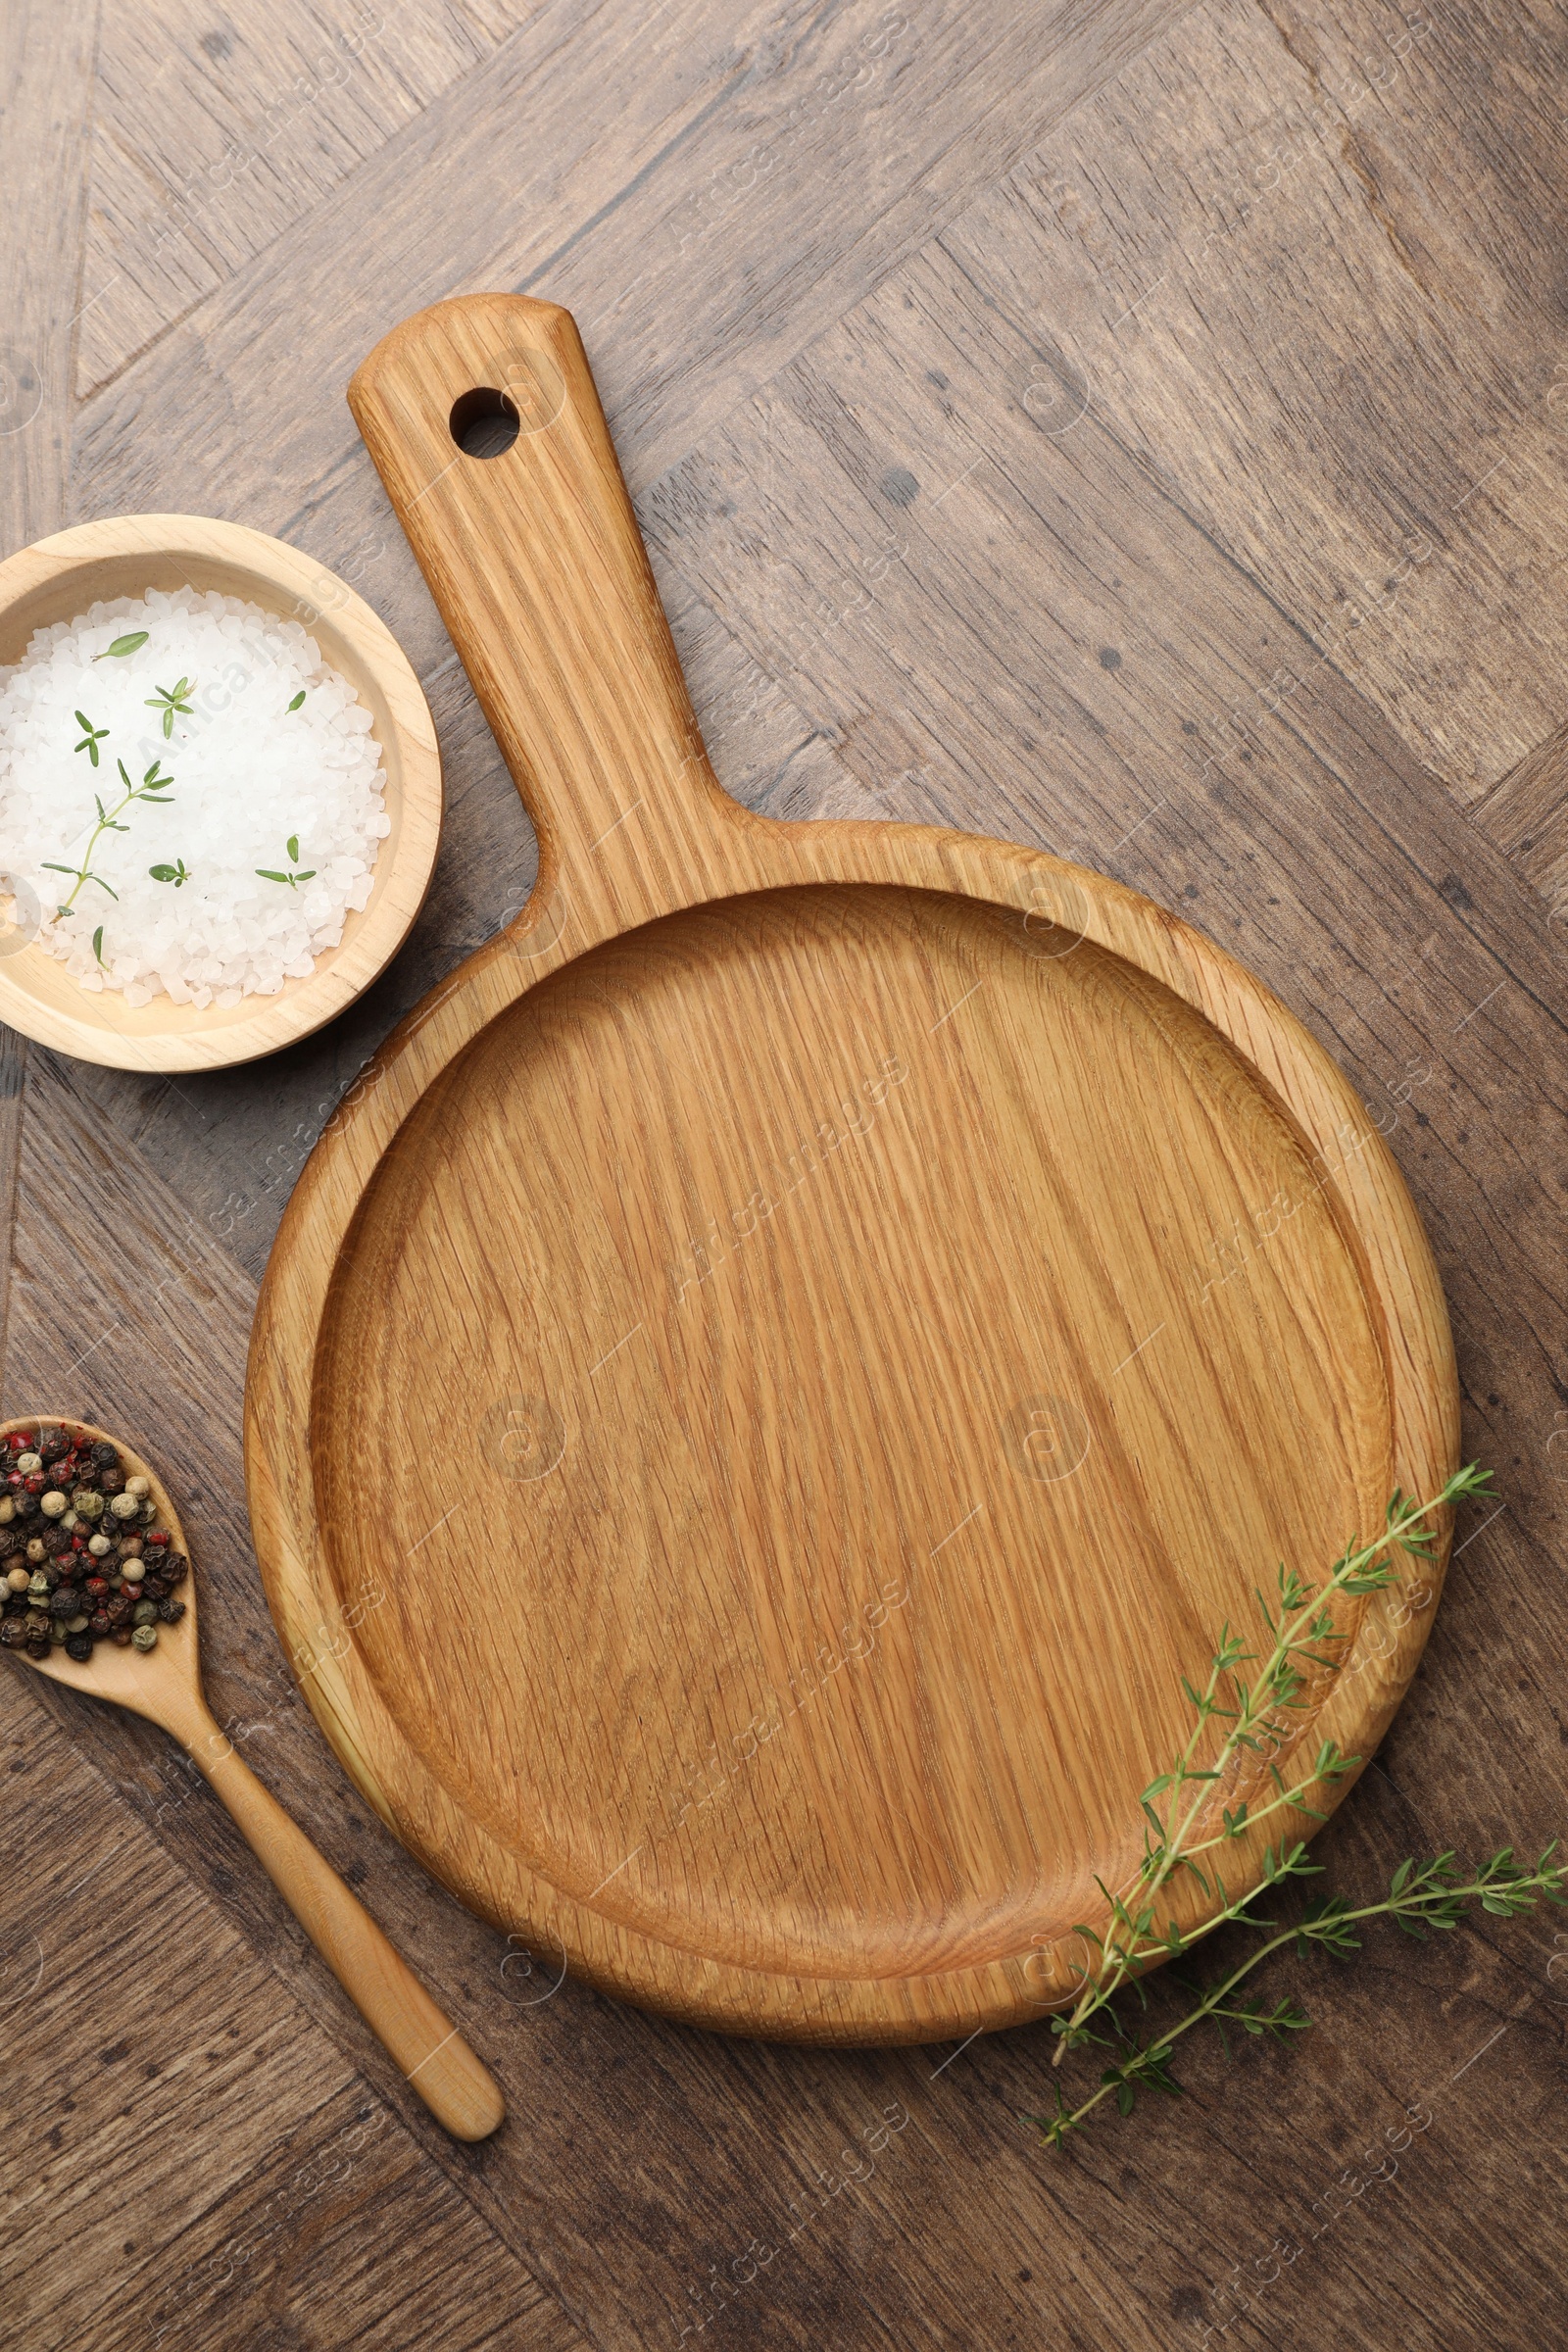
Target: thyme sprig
(171, 698)
(293, 879)
(1178, 1828)
(153, 789)
(91, 737)
(1422, 1895)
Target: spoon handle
(432, 2055)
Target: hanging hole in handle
(484, 423)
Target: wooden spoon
(165, 1685)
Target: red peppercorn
(159, 1536)
(97, 1584)
(35, 1481)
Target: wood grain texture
(1071, 1095)
(1296, 253)
(271, 2233)
(658, 2165)
(1526, 813)
(212, 134)
(47, 58)
(681, 167)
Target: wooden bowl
(56, 579)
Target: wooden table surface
(1132, 428)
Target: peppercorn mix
(82, 1557)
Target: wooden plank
(652, 148)
(46, 79)
(1344, 353)
(307, 2198)
(1526, 813)
(211, 137)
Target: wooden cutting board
(792, 1350)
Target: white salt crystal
(247, 774)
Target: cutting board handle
(535, 561)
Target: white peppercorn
(53, 1504)
(134, 1571)
(138, 1487)
(27, 1463)
(98, 1546)
(18, 1579)
(123, 1506)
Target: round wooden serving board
(791, 1352)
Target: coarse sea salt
(177, 896)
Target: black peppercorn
(171, 1612)
(13, 1632)
(80, 1647)
(65, 1601)
(26, 1506)
(154, 1587)
(105, 1455)
(40, 1646)
(111, 1482)
(175, 1568)
(99, 1624)
(117, 1611)
(52, 1444)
